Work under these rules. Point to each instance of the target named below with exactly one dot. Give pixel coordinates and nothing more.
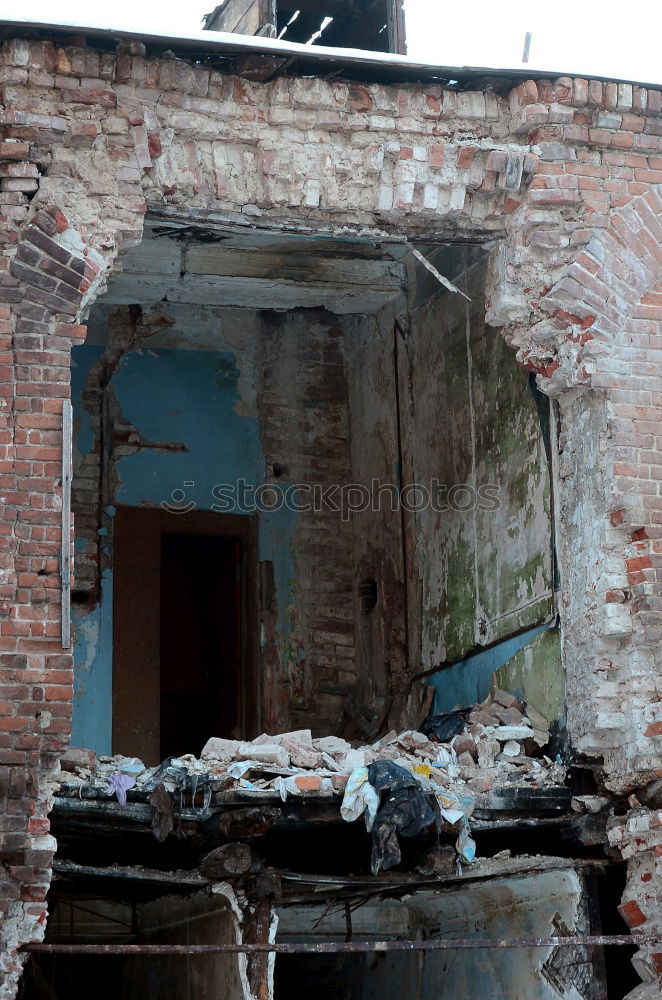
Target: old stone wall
(564, 175)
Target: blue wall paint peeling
(189, 397)
(93, 667)
(469, 681)
(82, 358)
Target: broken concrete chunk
(332, 745)
(537, 720)
(302, 755)
(296, 736)
(480, 784)
(412, 738)
(351, 760)
(385, 741)
(511, 748)
(505, 733)
(264, 753)
(218, 747)
(330, 762)
(77, 757)
(507, 716)
(589, 803)
(488, 748)
(480, 716)
(439, 776)
(467, 764)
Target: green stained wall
(484, 572)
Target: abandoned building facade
(330, 383)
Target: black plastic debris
(442, 728)
(404, 809)
(173, 789)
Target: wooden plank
(256, 293)
(233, 13)
(71, 869)
(155, 255)
(293, 265)
(65, 551)
(250, 23)
(261, 293)
(397, 32)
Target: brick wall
(565, 173)
(304, 416)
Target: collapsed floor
(266, 841)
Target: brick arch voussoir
(54, 272)
(585, 312)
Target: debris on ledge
(401, 783)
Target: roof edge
(385, 64)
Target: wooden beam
(232, 14)
(150, 876)
(397, 32)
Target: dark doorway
(183, 616)
(200, 641)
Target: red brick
(308, 783)
(632, 914)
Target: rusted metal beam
(346, 947)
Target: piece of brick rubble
(465, 744)
(506, 699)
(78, 757)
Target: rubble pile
(458, 759)
(500, 743)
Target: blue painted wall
(528, 665)
(171, 396)
(93, 672)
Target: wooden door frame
(157, 522)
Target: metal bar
(527, 47)
(433, 271)
(65, 551)
(345, 947)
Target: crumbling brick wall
(564, 174)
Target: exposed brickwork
(304, 412)
(567, 171)
(639, 839)
(42, 290)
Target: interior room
(281, 517)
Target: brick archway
(597, 348)
(52, 275)
(98, 132)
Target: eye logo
(178, 506)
